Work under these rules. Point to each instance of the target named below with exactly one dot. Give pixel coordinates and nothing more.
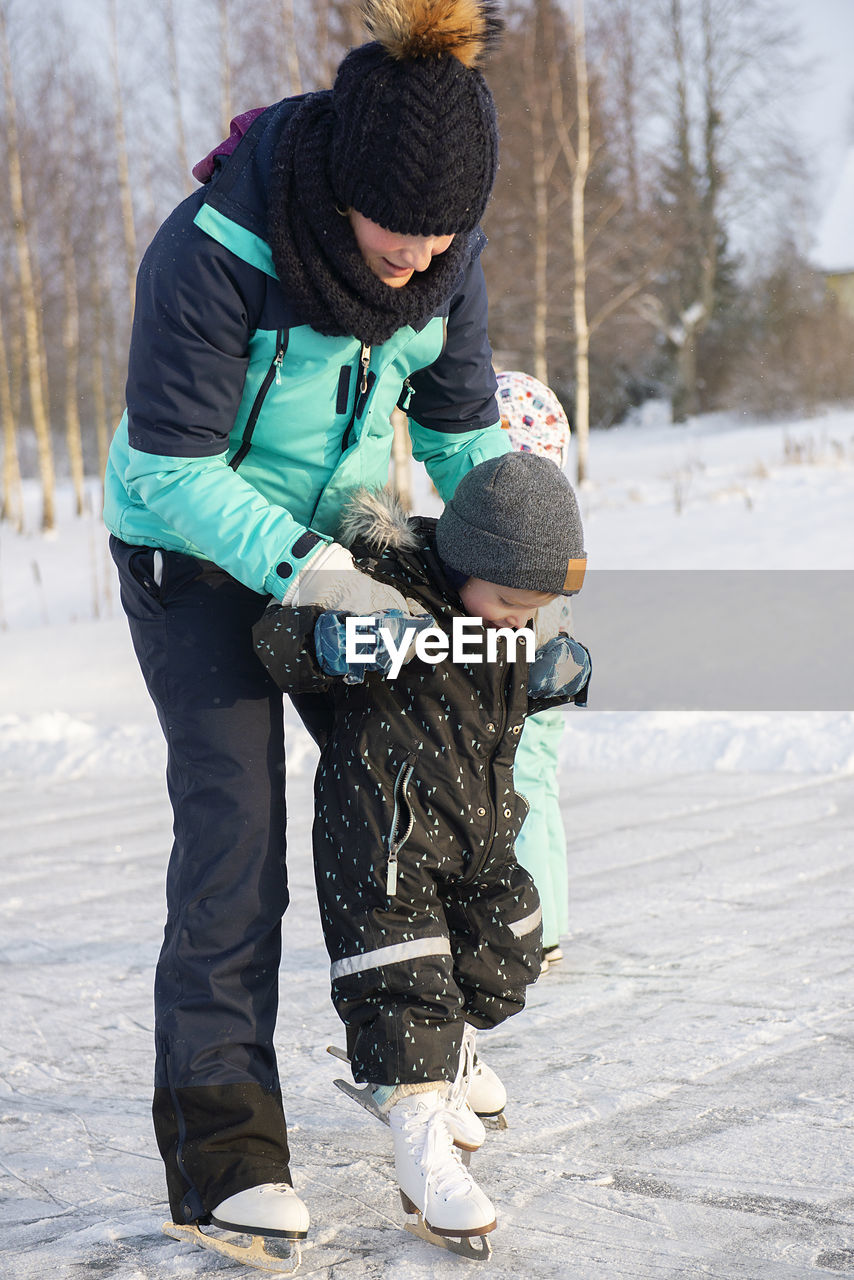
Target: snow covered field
(680, 1085)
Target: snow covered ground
(680, 1085)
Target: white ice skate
(434, 1183)
(270, 1209)
(487, 1096)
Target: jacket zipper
(395, 841)
(274, 371)
(366, 382)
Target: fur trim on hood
(377, 518)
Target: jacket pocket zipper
(408, 389)
(274, 371)
(396, 840)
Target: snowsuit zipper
(274, 371)
(492, 799)
(397, 841)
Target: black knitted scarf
(315, 251)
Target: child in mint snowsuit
(536, 422)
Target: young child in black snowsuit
(432, 927)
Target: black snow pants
(218, 1113)
(413, 961)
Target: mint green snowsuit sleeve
(541, 844)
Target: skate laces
(459, 1091)
(444, 1171)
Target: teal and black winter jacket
(245, 428)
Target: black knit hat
(415, 137)
(514, 521)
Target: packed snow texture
(679, 1085)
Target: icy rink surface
(680, 1087)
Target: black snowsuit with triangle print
(421, 765)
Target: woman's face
(500, 606)
(394, 258)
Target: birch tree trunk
(99, 394)
(175, 93)
(322, 55)
(128, 227)
(97, 348)
(99, 404)
(33, 338)
(712, 114)
(291, 58)
(115, 361)
(16, 357)
(687, 325)
(11, 506)
(581, 425)
(71, 352)
(225, 67)
(540, 178)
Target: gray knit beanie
(514, 521)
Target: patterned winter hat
(415, 136)
(534, 416)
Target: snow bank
(56, 745)
(689, 742)
(720, 492)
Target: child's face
(501, 606)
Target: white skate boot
(487, 1096)
(270, 1209)
(432, 1178)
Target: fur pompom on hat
(514, 521)
(415, 136)
(534, 417)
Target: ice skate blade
(254, 1254)
(475, 1248)
(364, 1097)
(496, 1121)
